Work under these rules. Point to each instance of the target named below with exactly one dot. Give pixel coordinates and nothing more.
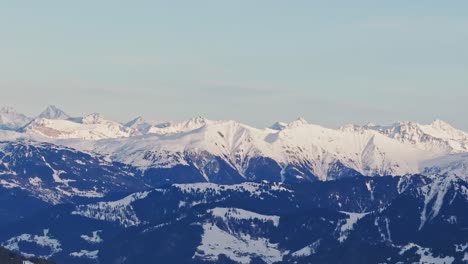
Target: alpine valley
(91, 190)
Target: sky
(331, 62)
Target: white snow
(10, 119)
(426, 256)
(240, 248)
(36, 181)
(120, 211)
(56, 174)
(345, 228)
(454, 165)
(9, 184)
(370, 189)
(308, 250)
(91, 127)
(365, 150)
(44, 240)
(85, 254)
(236, 245)
(94, 238)
(435, 194)
(255, 189)
(52, 112)
(240, 214)
(399, 149)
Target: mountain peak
(52, 112)
(94, 118)
(278, 125)
(440, 124)
(7, 110)
(134, 122)
(298, 122)
(12, 120)
(196, 122)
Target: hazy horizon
(332, 63)
(159, 121)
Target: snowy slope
(12, 120)
(90, 127)
(258, 223)
(435, 136)
(310, 147)
(174, 128)
(139, 124)
(298, 150)
(52, 112)
(56, 174)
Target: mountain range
(91, 190)
(297, 151)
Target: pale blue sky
(332, 62)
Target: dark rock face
(8, 257)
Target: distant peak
(298, 122)
(7, 109)
(136, 121)
(52, 107)
(278, 126)
(93, 118)
(440, 124)
(350, 127)
(53, 112)
(196, 121)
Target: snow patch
(44, 240)
(94, 238)
(345, 229)
(240, 214)
(85, 254)
(241, 248)
(426, 256)
(308, 250)
(120, 211)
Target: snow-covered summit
(90, 127)
(278, 125)
(314, 149)
(94, 118)
(436, 136)
(143, 126)
(52, 112)
(12, 120)
(181, 127)
(304, 149)
(134, 122)
(300, 121)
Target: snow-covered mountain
(90, 127)
(143, 126)
(435, 136)
(52, 112)
(91, 190)
(298, 150)
(12, 120)
(177, 128)
(213, 150)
